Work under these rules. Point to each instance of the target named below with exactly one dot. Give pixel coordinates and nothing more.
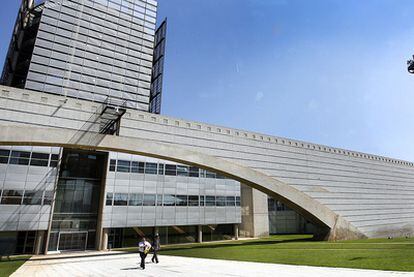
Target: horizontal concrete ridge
(71, 111)
(336, 226)
(375, 194)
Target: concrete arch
(334, 227)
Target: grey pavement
(121, 264)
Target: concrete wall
(255, 216)
(373, 193)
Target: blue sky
(331, 72)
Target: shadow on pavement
(131, 268)
(183, 247)
(82, 255)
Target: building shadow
(232, 244)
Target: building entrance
(73, 241)
(78, 196)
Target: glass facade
(77, 201)
(87, 49)
(17, 242)
(283, 220)
(155, 168)
(21, 46)
(28, 157)
(137, 199)
(218, 232)
(129, 237)
(28, 178)
(158, 68)
(175, 197)
(147, 192)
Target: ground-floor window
(218, 232)
(129, 237)
(17, 242)
(72, 240)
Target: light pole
(410, 66)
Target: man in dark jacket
(156, 246)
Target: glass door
(73, 241)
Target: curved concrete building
(346, 194)
(83, 170)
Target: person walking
(156, 246)
(143, 248)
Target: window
(135, 199)
(39, 159)
(210, 201)
(48, 197)
(112, 165)
(238, 201)
(151, 168)
(135, 167)
(120, 199)
(220, 201)
(149, 199)
(161, 169)
(210, 174)
(193, 200)
(271, 205)
(54, 160)
(218, 176)
(20, 157)
(202, 200)
(159, 199)
(230, 201)
(194, 171)
(182, 170)
(12, 197)
(181, 200)
(109, 198)
(170, 170)
(280, 206)
(123, 166)
(4, 156)
(32, 197)
(169, 200)
(138, 167)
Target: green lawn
(381, 254)
(8, 267)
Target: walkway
(121, 264)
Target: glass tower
(158, 68)
(86, 49)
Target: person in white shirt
(143, 248)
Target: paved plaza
(121, 264)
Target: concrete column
(52, 207)
(200, 233)
(255, 214)
(39, 241)
(105, 236)
(236, 231)
(99, 241)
